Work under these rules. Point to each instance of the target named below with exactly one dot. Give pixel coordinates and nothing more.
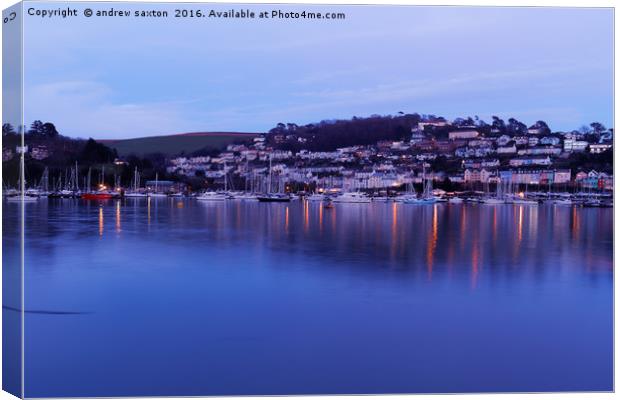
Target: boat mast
(269, 183)
(225, 178)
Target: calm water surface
(178, 297)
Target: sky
(112, 78)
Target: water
(178, 297)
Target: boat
(136, 194)
(244, 196)
(499, 197)
(316, 197)
(21, 194)
(352, 197)
(24, 198)
(157, 193)
(563, 202)
(97, 196)
(493, 201)
(427, 196)
(455, 200)
(421, 201)
(212, 196)
(381, 199)
(135, 191)
(404, 197)
(409, 194)
(176, 194)
(274, 198)
(526, 202)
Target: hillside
(170, 145)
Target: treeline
(64, 152)
(329, 135)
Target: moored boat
(316, 197)
(274, 198)
(97, 196)
(212, 196)
(352, 197)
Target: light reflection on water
(191, 298)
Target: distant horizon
(526, 63)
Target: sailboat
(409, 194)
(271, 197)
(22, 195)
(497, 199)
(135, 191)
(427, 195)
(102, 193)
(156, 193)
(523, 199)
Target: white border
(527, 3)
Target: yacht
(525, 202)
(136, 194)
(245, 196)
(381, 199)
(156, 192)
(352, 197)
(422, 200)
(493, 201)
(404, 197)
(316, 197)
(212, 196)
(135, 191)
(22, 195)
(455, 200)
(427, 196)
(274, 198)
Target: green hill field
(171, 145)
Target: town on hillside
(379, 157)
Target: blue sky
(119, 78)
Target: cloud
(87, 109)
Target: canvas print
(275, 199)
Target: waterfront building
(538, 150)
(597, 148)
(439, 122)
(507, 149)
(572, 145)
(503, 140)
(476, 175)
(531, 160)
(464, 134)
(550, 140)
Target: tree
(543, 127)
(49, 130)
(498, 124)
(94, 152)
(597, 127)
(7, 129)
(516, 127)
(584, 130)
(36, 128)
